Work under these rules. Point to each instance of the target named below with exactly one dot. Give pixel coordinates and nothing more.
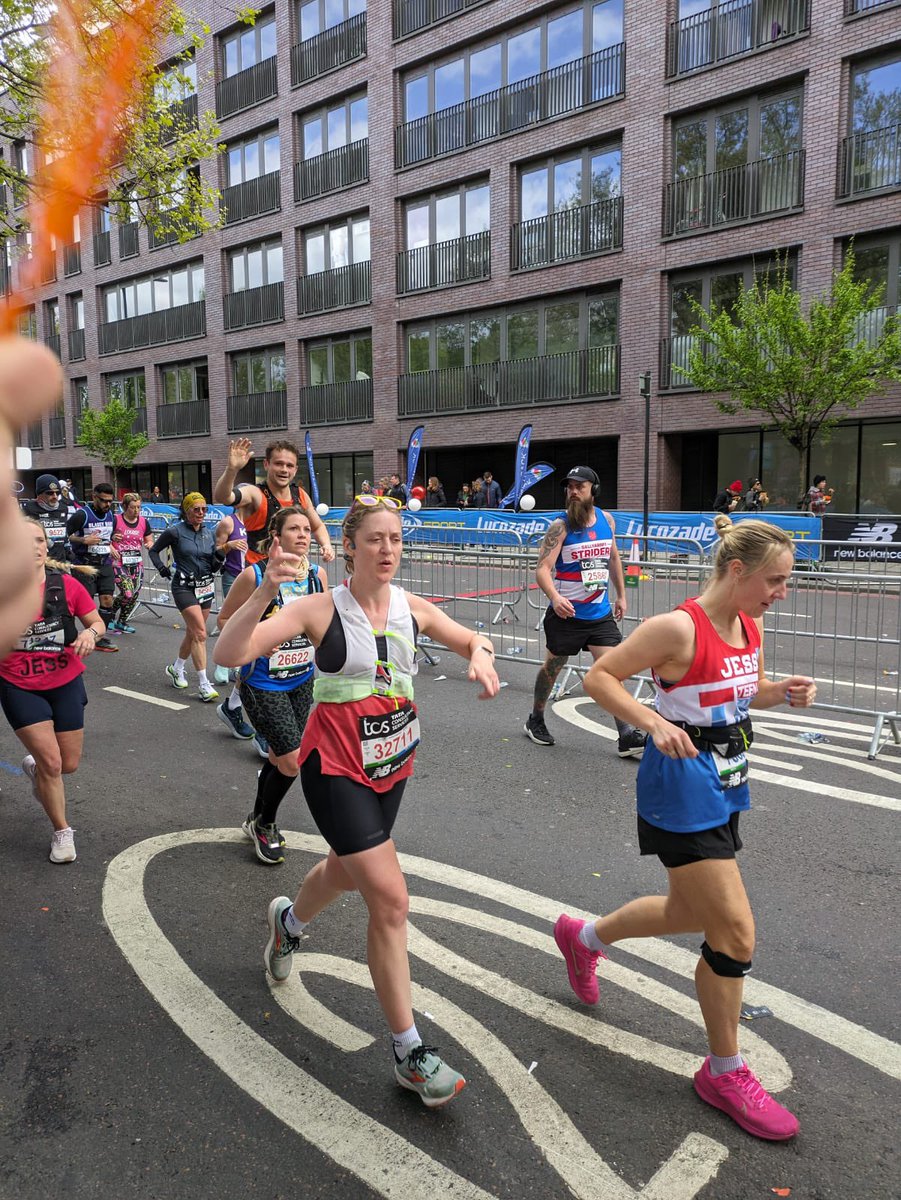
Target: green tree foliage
(162, 144)
(106, 433)
(799, 371)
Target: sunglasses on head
(369, 500)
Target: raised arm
(240, 452)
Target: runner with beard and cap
(577, 561)
(49, 508)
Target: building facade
(473, 214)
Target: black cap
(44, 483)
(583, 473)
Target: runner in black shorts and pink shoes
(357, 752)
(706, 660)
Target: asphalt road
(144, 1055)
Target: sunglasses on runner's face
(368, 500)
(198, 508)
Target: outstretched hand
(481, 670)
(281, 567)
(240, 452)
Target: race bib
(204, 590)
(595, 572)
(55, 533)
(44, 637)
(289, 592)
(733, 772)
(291, 658)
(131, 558)
(102, 548)
(387, 741)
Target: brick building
(475, 213)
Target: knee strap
(722, 964)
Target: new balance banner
(867, 539)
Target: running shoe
(262, 746)
(62, 846)
(581, 963)
(29, 766)
(536, 730)
(106, 647)
(281, 945)
(423, 1072)
(741, 1094)
(246, 826)
(267, 842)
(207, 694)
(178, 678)
(234, 719)
(632, 744)
(123, 628)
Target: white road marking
(118, 691)
(853, 759)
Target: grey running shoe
(62, 846)
(267, 842)
(423, 1072)
(280, 947)
(246, 826)
(632, 744)
(536, 730)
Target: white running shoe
(177, 677)
(29, 766)
(62, 845)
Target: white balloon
(527, 502)
(322, 509)
(414, 505)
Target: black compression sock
(276, 788)
(265, 771)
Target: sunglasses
(199, 508)
(51, 491)
(368, 500)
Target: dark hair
(104, 489)
(818, 479)
(281, 445)
(277, 524)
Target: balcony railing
(757, 189)
(254, 306)
(76, 345)
(251, 198)
(410, 15)
(675, 353)
(336, 403)
(571, 233)
(332, 48)
(869, 161)
(329, 172)
(855, 8)
(166, 237)
(6, 283)
(72, 259)
(57, 433)
(579, 374)
(565, 89)
(459, 260)
(139, 420)
(153, 329)
(52, 340)
(732, 28)
(184, 116)
(871, 326)
(248, 87)
(48, 269)
(188, 419)
(260, 410)
(33, 436)
(338, 288)
(128, 240)
(103, 253)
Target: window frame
(550, 162)
(867, 63)
(133, 282)
(751, 268)
(321, 113)
(124, 378)
(236, 36)
(193, 364)
(353, 337)
(258, 139)
(754, 104)
(268, 353)
(75, 306)
(431, 200)
(359, 6)
(892, 239)
(235, 252)
(325, 229)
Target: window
(258, 155)
(877, 261)
(168, 288)
(340, 359)
(27, 324)
(23, 162)
(248, 46)
(318, 15)
(259, 371)
(183, 383)
(876, 95)
(563, 183)
(733, 136)
(443, 216)
(333, 127)
(103, 219)
(337, 244)
(80, 400)
(51, 318)
(129, 389)
(178, 81)
(871, 155)
(76, 311)
(255, 266)
(553, 41)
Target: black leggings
(349, 815)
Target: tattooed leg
(544, 683)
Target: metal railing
(6, 283)
(247, 88)
(251, 198)
(731, 28)
(52, 340)
(184, 115)
(734, 196)
(139, 420)
(57, 433)
(33, 436)
(167, 237)
(410, 15)
(338, 288)
(329, 172)
(674, 353)
(128, 240)
(48, 270)
(76, 345)
(253, 306)
(570, 233)
(153, 329)
(856, 8)
(869, 326)
(103, 251)
(565, 89)
(336, 403)
(869, 160)
(458, 260)
(71, 259)
(578, 374)
(332, 48)
(188, 418)
(259, 410)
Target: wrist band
(95, 635)
(487, 649)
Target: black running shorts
(64, 705)
(350, 816)
(680, 849)
(569, 635)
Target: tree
(161, 144)
(107, 434)
(802, 371)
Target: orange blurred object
(95, 76)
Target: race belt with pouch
(729, 743)
(130, 558)
(204, 585)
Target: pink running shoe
(580, 963)
(741, 1094)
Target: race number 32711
(387, 741)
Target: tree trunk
(802, 475)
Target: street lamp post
(644, 389)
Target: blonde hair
(752, 543)
(51, 563)
(354, 518)
(130, 498)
